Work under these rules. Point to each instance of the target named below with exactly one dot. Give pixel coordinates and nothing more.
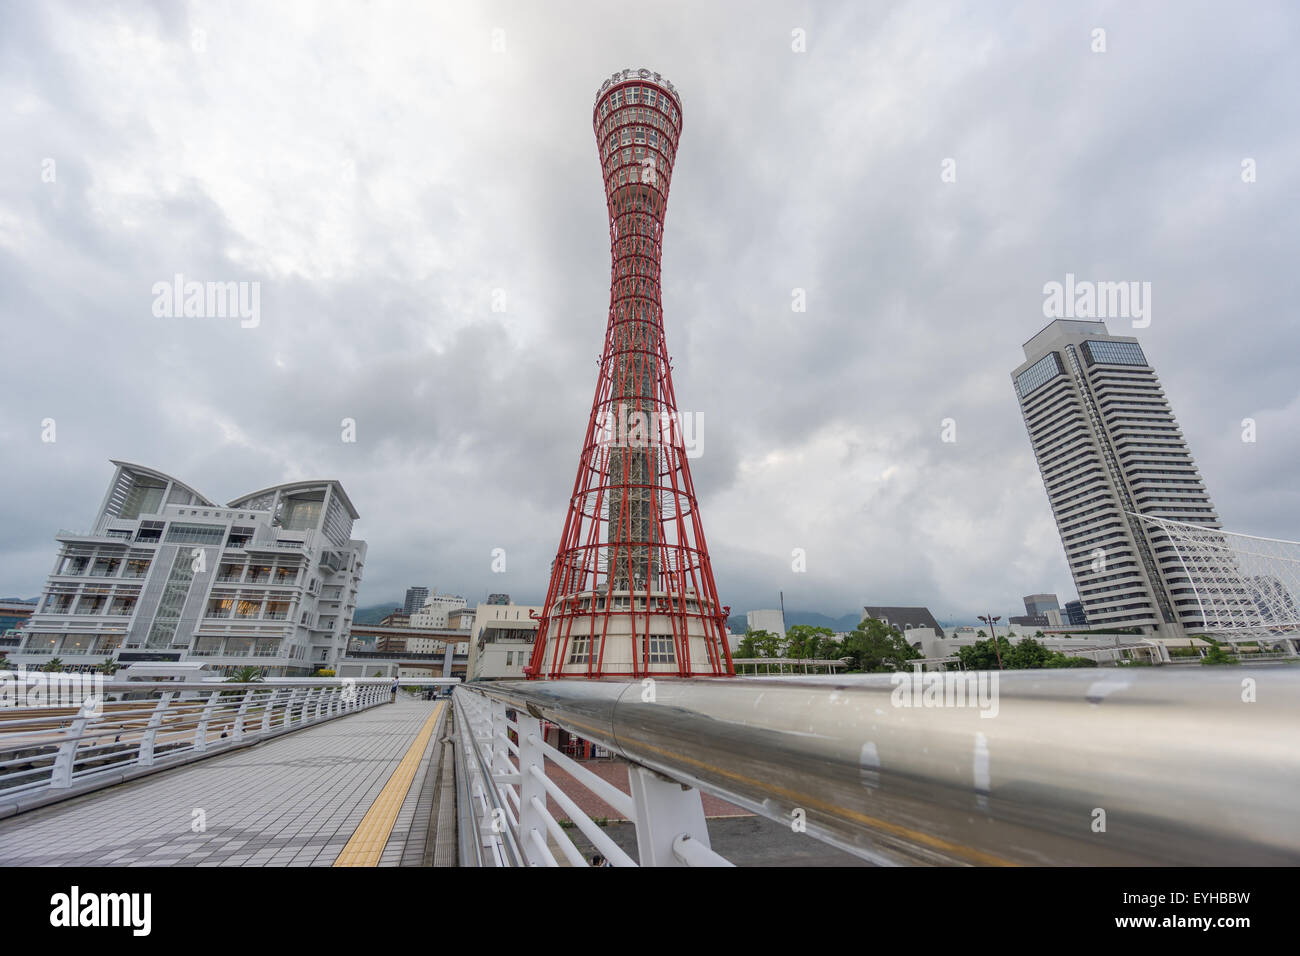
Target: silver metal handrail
(1077, 767)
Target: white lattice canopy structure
(1244, 585)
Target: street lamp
(991, 620)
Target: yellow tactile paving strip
(371, 836)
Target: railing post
(268, 709)
(530, 819)
(288, 707)
(144, 757)
(238, 733)
(319, 692)
(61, 772)
(665, 810)
(500, 753)
(201, 731)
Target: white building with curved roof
(165, 574)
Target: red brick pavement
(615, 771)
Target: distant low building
(1075, 615)
(503, 641)
(766, 620)
(1104, 649)
(1037, 605)
(1012, 630)
(390, 644)
(415, 598)
(904, 618)
(1029, 620)
(436, 610)
(14, 614)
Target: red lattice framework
(632, 565)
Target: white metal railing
(505, 786)
(1073, 767)
(51, 749)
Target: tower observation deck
(632, 590)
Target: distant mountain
(846, 622)
(374, 613)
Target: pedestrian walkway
(294, 801)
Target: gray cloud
(380, 172)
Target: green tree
(981, 656)
(748, 646)
(760, 643)
(769, 644)
(1060, 660)
(53, 665)
(1028, 654)
(5, 663)
(109, 667)
(876, 647)
(806, 641)
(245, 675)
(1216, 656)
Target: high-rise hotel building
(165, 574)
(1108, 447)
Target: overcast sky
(381, 168)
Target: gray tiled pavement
(293, 801)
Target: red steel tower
(632, 590)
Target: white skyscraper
(1108, 446)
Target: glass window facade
(578, 654)
(1038, 374)
(302, 514)
(173, 600)
(144, 498)
(1114, 353)
(661, 649)
(197, 533)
